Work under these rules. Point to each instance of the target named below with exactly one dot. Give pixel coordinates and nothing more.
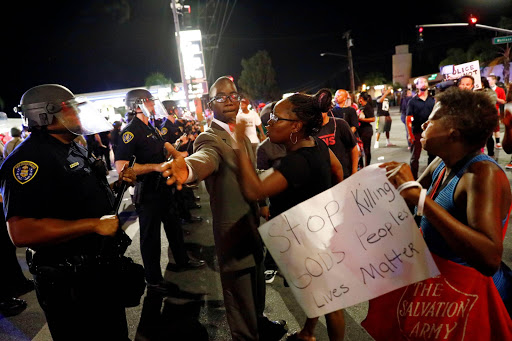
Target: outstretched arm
(252, 187)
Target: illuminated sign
(432, 77)
(193, 61)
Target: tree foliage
(375, 78)
(158, 78)
(258, 78)
(483, 51)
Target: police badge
(127, 137)
(164, 131)
(25, 171)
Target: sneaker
(498, 145)
(509, 165)
(270, 275)
(376, 145)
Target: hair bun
(323, 100)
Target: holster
(138, 191)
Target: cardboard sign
(353, 242)
(454, 72)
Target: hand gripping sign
(351, 243)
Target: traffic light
(420, 34)
(472, 20)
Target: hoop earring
(294, 142)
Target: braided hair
(309, 109)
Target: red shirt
(501, 95)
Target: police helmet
(143, 99)
(41, 104)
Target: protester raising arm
(304, 171)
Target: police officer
(153, 199)
(170, 128)
(59, 205)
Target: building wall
(402, 65)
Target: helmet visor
(81, 117)
(153, 108)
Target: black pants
(155, 209)
(490, 146)
(12, 275)
(366, 138)
(82, 305)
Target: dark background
(98, 45)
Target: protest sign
(454, 72)
(353, 242)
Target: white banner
(351, 243)
(454, 72)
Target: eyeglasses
(273, 119)
(234, 97)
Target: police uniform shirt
(140, 140)
(45, 178)
(170, 131)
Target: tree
(374, 78)
(258, 78)
(454, 56)
(484, 52)
(157, 78)
(504, 52)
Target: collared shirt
(147, 145)
(170, 131)
(223, 125)
(45, 178)
(420, 110)
(141, 140)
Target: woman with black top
(366, 117)
(307, 169)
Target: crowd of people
(254, 165)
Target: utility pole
(346, 36)
(180, 56)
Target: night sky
(99, 45)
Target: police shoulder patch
(127, 136)
(164, 130)
(25, 171)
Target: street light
(350, 66)
(323, 54)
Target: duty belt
(70, 262)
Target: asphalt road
(198, 299)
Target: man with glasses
(235, 219)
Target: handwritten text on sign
(455, 72)
(351, 243)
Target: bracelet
(408, 184)
(421, 202)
